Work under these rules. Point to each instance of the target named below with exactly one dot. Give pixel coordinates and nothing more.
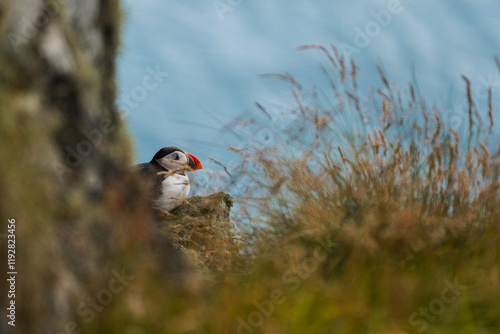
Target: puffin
(166, 176)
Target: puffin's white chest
(175, 188)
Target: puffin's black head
(172, 157)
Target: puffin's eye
(176, 156)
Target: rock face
(82, 219)
(202, 229)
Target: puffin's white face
(174, 160)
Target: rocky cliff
(82, 222)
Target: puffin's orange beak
(194, 163)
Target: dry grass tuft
(360, 222)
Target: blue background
(214, 52)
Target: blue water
(210, 54)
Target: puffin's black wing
(149, 173)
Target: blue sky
(210, 53)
